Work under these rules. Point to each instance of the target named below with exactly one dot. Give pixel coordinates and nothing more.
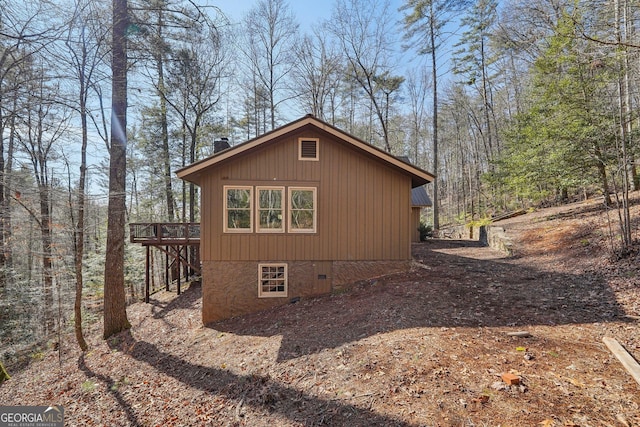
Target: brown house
(301, 211)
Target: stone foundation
(230, 289)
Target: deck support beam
(180, 242)
(146, 277)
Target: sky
(307, 11)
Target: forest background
(511, 104)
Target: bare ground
(427, 347)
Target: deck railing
(159, 233)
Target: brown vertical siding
(363, 205)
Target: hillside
(427, 347)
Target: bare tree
(44, 123)
(269, 48)
(86, 43)
(166, 22)
(22, 36)
(317, 76)
(473, 59)
(195, 77)
(417, 90)
(625, 128)
(159, 51)
(425, 22)
(365, 32)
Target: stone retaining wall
(489, 235)
(496, 237)
(458, 232)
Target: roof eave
(418, 176)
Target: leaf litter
(427, 347)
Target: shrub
(425, 231)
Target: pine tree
(564, 140)
(115, 313)
(424, 23)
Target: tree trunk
(47, 257)
(6, 208)
(434, 69)
(624, 111)
(192, 187)
(3, 210)
(115, 313)
(167, 162)
(166, 158)
(628, 27)
(486, 102)
(79, 229)
(6, 262)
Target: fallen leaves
(425, 346)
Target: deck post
(146, 277)
(180, 243)
(167, 279)
(185, 271)
(178, 264)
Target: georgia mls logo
(32, 416)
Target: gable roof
(193, 172)
(420, 198)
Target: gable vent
(308, 149)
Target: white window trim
(290, 228)
(311, 159)
(225, 218)
(257, 210)
(284, 293)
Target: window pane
(302, 219)
(238, 198)
(273, 281)
(302, 210)
(238, 209)
(238, 218)
(271, 199)
(271, 219)
(301, 199)
(270, 209)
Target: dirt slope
(427, 347)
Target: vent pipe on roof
(221, 144)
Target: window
(269, 209)
(272, 280)
(308, 148)
(238, 209)
(302, 210)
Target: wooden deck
(165, 233)
(180, 242)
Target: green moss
(479, 222)
(88, 386)
(4, 375)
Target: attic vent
(308, 149)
